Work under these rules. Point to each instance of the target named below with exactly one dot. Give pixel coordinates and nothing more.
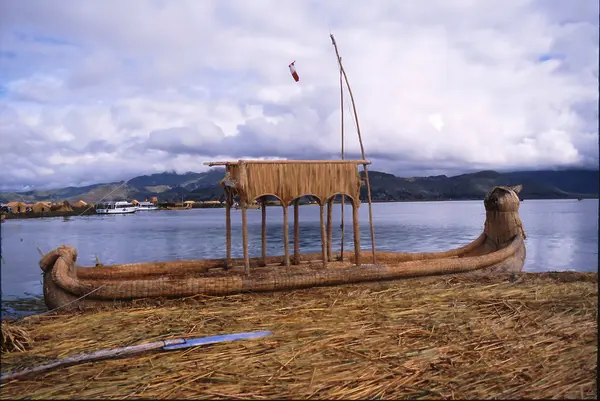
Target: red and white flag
(293, 71)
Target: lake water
(561, 235)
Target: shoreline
(438, 337)
(91, 212)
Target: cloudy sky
(95, 91)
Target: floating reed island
(499, 336)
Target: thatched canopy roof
(80, 203)
(291, 179)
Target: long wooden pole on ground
(296, 233)
(263, 231)
(343, 196)
(362, 149)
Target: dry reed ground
(438, 337)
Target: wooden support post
(228, 201)
(323, 235)
(263, 232)
(342, 228)
(286, 239)
(329, 227)
(343, 197)
(296, 233)
(245, 237)
(356, 225)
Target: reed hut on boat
(288, 181)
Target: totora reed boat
(499, 248)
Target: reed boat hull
(499, 249)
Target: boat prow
(500, 248)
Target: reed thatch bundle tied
(502, 222)
(68, 254)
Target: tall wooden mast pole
(343, 196)
(362, 149)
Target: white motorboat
(115, 207)
(146, 206)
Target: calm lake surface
(561, 235)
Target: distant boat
(118, 207)
(579, 199)
(146, 206)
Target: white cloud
(108, 90)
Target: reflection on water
(561, 235)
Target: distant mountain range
(171, 187)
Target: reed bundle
(521, 336)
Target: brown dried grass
(439, 337)
(14, 338)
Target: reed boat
(499, 248)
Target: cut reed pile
(438, 337)
(14, 338)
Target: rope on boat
(75, 300)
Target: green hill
(170, 186)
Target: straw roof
(291, 179)
(80, 203)
(41, 207)
(62, 207)
(17, 207)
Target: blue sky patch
(9, 55)
(550, 56)
(45, 39)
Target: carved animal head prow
(503, 198)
